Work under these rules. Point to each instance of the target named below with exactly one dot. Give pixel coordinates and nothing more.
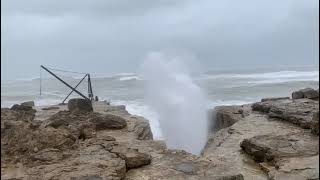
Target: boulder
(28, 103)
(306, 93)
(80, 105)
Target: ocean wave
(129, 78)
(38, 102)
(285, 80)
(112, 76)
(270, 75)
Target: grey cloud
(85, 7)
(111, 36)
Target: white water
(179, 103)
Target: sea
(220, 86)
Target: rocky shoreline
(277, 138)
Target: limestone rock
(78, 104)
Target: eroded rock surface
(70, 145)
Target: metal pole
(40, 82)
(65, 83)
(74, 88)
(90, 87)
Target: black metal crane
(73, 89)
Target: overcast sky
(113, 36)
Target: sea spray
(179, 103)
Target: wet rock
(306, 93)
(78, 104)
(28, 103)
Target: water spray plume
(178, 101)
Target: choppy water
(221, 87)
